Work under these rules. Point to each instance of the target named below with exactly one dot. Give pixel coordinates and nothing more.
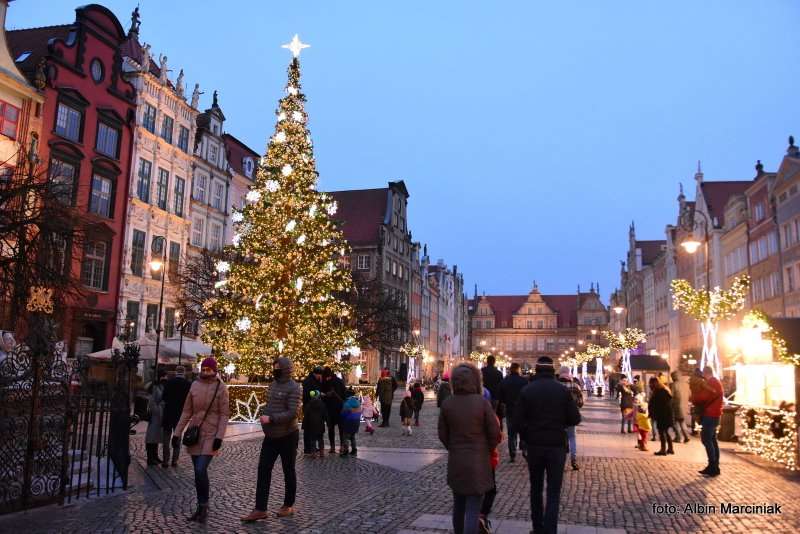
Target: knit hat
(209, 362)
(545, 365)
(564, 372)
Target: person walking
(543, 413)
(367, 412)
(642, 424)
(333, 395)
(385, 393)
(678, 408)
(205, 413)
(351, 422)
(281, 435)
(417, 397)
(468, 428)
(155, 431)
(175, 392)
(696, 384)
(314, 416)
(708, 399)
(626, 393)
(444, 390)
(406, 412)
(565, 377)
(492, 378)
(510, 388)
(660, 406)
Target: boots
(152, 454)
(200, 515)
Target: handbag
(192, 434)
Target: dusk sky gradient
(530, 134)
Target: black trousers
(488, 497)
(271, 449)
(386, 410)
(333, 422)
(545, 461)
(313, 441)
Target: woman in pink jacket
(206, 406)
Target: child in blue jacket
(350, 422)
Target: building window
(539, 324)
(364, 262)
(96, 68)
(137, 252)
(100, 200)
(151, 317)
(174, 260)
(183, 138)
(789, 279)
(132, 319)
(166, 129)
(143, 188)
(9, 119)
(62, 180)
(212, 153)
(68, 122)
(200, 188)
(149, 118)
(216, 199)
(214, 236)
(93, 269)
(180, 185)
(394, 268)
(758, 211)
(169, 322)
(161, 188)
(107, 140)
(197, 232)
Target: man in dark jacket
(510, 388)
(333, 394)
(313, 382)
(544, 411)
(491, 380)
(175, 391)
(385, 393)
(281, 435)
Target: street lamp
(691, 245)
(618, 309)
(157, 265)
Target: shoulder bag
(192, 434)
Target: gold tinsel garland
(714, 305)
(755, 318)
(771, 434)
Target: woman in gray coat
(678, 411)
(155, 432)
(469, 430)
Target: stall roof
(789, 330)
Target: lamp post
(182, 322)
(158, 266)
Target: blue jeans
(466, 511)
(573, 444)
(545, 461)
(201, 483)
(708, 435)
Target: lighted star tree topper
(282, 283)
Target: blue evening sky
(529, 133)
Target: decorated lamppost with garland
(709, 307)
(284, 275)
(625, 342)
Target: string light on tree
(625, 342)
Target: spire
(698, 176)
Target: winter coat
(350, 415)
(661, 408)
(544, 411)
(469, 430)
(418, 397)
(443, 394)
(197, 403)
(677, 401)
(283, 403)
(367, 408)
(384, 390)
(314, 415)
(574, 390)
(310, 383)
(333, 392)
(156, 408)
(510, 388)
(626, 394)
(491, 380)
(406, 408)
(175, 391)
(709, 398)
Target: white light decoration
(280, 345)
(258, 301)
(301, 239)
(223, 266)
(244, 324)
(281, 116)
(250, 411)
(221, 283)
(272, 185)
(599, 381)
(253, 196)
(295, 46)
(358, 372)
(312, 210)
(299, 284)
(290, 226)
(280, 137)
(237, 238)
(331, 267)
(229, 369)
(324, 243)
(292, 90)
(237, 217)
(332, 208)
(286, 170)
(297, 116)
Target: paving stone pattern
(364, 496)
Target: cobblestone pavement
(615, 488)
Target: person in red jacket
(709, 399)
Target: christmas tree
(282, 281)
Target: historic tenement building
(528, 326)
(88, 118)
(787, 200)
(158, 208)
(243, 162)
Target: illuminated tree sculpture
(709, 308)
(283, 279)
(625, 342)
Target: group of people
(663, 411)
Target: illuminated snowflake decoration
(301, 239)
(280, 137)
(248, 412)
(223, 266)
(237, 238)
(281, 116)
(244, 324)
(237, 216)
(332, 208)
(291, 225)
(292, 90)
(272, 185)
(286, 170)
(299, 284)
(253, 196)
(312, 210)
(297, 116)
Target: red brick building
(87, 121)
